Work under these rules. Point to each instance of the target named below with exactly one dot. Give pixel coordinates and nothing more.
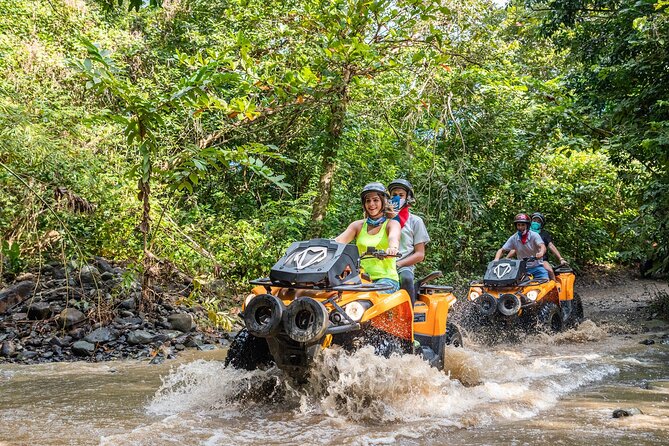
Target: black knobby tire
(453, 335)
(550, 317)
(578, 308)
(248, 352)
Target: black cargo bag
(504, 272)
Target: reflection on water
(559, 389)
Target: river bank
(64, 314)
(92, 313)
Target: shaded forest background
(211, 134)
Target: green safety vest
(376, 268)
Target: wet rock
(25, 276)
(180, 347)
(103, 265)
(171, 334)
(161, 337)
(128, 304)
(647, 342)
(19, 316)
(193, 342)
(181, 321)
(128, 321)
(58, 272)
(107, 276)
(139, 337)
(39, 311)
(47, 355)
(15, 294)
(101, 335)
(27, 355)
(77, 333)
(70, 317)
(8, 349)
(89, 275)
(83, 348)
(55, 340)
(620, 413)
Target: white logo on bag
(502, 270)
(310, 256)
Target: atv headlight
(474, 295)
(356, 309)
(533, 294)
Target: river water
(545, 390)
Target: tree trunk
(329, 166)
(146, 303)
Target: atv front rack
(364, 287)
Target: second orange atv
(508, 296)
(316, 297)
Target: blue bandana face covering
(535, 226)
(374, 223)
(397, 202)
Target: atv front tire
(550, 318)
(248, 352)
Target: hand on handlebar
(380, 254)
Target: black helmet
(541, 217)
(404, 184)
(374, 187)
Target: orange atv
(508, 296)
(316, 296)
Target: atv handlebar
(380, 254)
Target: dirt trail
(621, 302)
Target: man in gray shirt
(526, 243)
(414, 235)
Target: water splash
(477, 388)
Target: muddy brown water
(558, 389)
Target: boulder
(101, 335)
(39, 311)
(83, 348)
(25, 276)
(89, 275)
(8, 349)
(620, 413)
(27, 355)
(128, 304)
(137, 337)
(103, 265)
(15, 294)
(70, 317)
(181, 321)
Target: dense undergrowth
(243, 97)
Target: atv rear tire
(453, 335)
(576, 316)
(248, 352)
(550, 318)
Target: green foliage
(10, 253)
(620, 56)
(234, 108)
